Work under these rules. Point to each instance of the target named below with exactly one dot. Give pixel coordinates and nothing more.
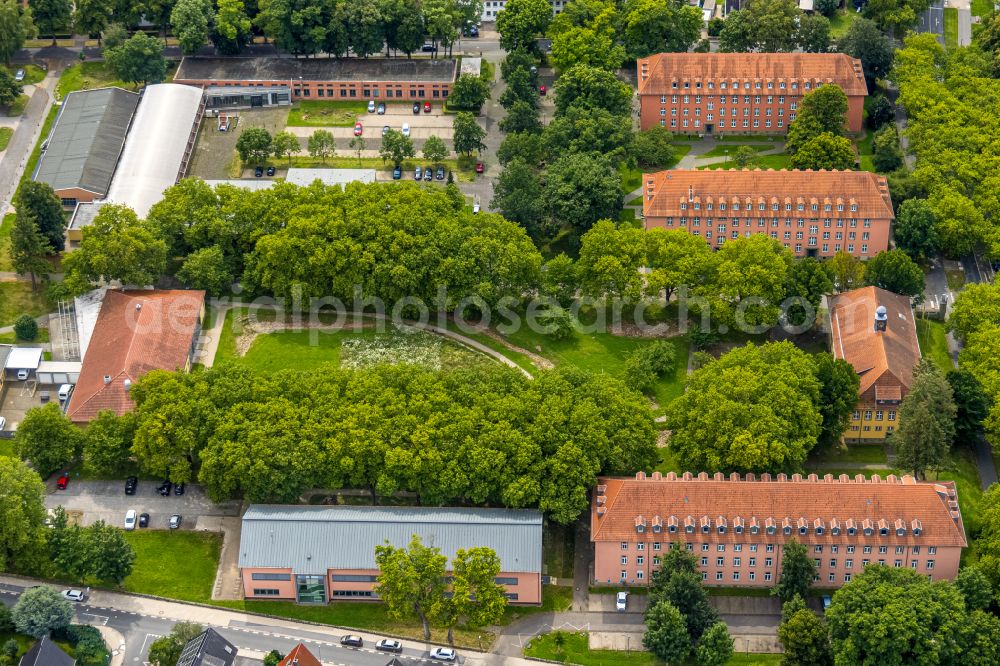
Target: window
(768, 561)
(897, 563)
(753, 548)
(704, 561)
(834, 549)
(639, 575)
(656, 561)
(624, 574)
(932, 550)
(720, 561)
(352, 578)
(850, 549)
(817, 549)
(930, 564)
(718, 575)
(624, 560)
(640, 560)
(704, 547)
(867, 550)
(503, 580)
(848, 563)
(640, 546)
(737, 547)
(769, 547)
(354, 593)
(736, 561)
(624, 545)
(882, 550)
(265, 592)
(656, 546)
(752, 562)
(270, 576)
(767, 576)
(753, 575)
(833, 564)
(721, 548)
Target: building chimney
(881, 319)
(138, 306)
(128, 385)
(107, 379)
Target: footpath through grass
(933, 338)
(572, 648)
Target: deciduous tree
(838, 395)
(411, 581)
(139, 59)
(467, 134)
(895, 271)
(847, 271)
(364, 27)
(475, 595)
(593, 88)
(518, 195)
(797, 571)
(887, 155)
(16, 26)
(41, 610)
(762, 25)
(107, 443)
(666, 634)
(40, 201)
(25, 327)
(715, 647)
(28, 248)
(22, 514)
(303, 27)
(521, 21)
(254, 145)
(51, 16)
(675, 258)
(468, 93)
(231, 27)
(522, 116)
(434, 150)
(322, 144)
(190, 20)
(926, 421)
(915, 229)
(112, 556)
(206, 269)
(814, 33)
(396, 147)
(582, 189)
(824, 151)
(653, 148)
(47, 438)
(165, 651)
(651, 26)
(972, 405)
(610, 259)
(975, 588)
(805, 638)
(283, 144)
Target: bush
(880, 112)
(26, 328)
(703, 46)
(559, 321)
(647, 364)
(827, 7)
(653, 148)
(715, 26)
(887, 155)
(86, 641)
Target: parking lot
(422, 125)
(107, 501)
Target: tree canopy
(926, 421)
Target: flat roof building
(812, 213)
(737, 525)
(875, 331)
(303, 177)
(136, 331)
(312, 554)
(82, 150)
(325, 78)
(741, 93)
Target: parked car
(406, 129)
(389, 645)
(416, 108)
(475, 209)
(440, 173)
(541, 90)
(474, 31)
(179, 489)
(397, 172)
(443, 654)
(3, 423)
(74, 595)
(164, 488)
(428, 47)
(371, 106)
(63, 481)
(175, 521)
(381, 108)
(621, 601)
(130, 520)
(428, 174)
(64, 391)
(480, 167)
(270, 171)
(418, 173)
(131, 483)
(352, 640)
(427, 107)
(258, 172)
(19, 75)
(22, 374)
(358, 129)
(827, 600)
(385, 130)
(143, 520)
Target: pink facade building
(316, 554)
(738, 525)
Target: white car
(406, 129)
(443, 654)
(73, 595)
(64, 391)
(22, 374)
(621, 601)
(371, 106)
(130, 520)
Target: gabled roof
(873, 354)
(665, 191)
(926, 512)
(136, 331)
(46, 653)
(658, 72)
(313, 539)
(86, 140)
(208, 648)
(300, 656)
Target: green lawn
(17, 108)
(175, 564)
(934, 342)
(11, 338)
(856, 454)
(865, 152)
(463, 167)
(558, 546)
(603, 352)
(574, 650)
(16, 298)
(840, 22)
(317, 113)
(7, 448)
(981, 7)
(6, 226)
(24, 643)
(626, 217)
(5, 134)
(87, 76)
(950, 27)
(631, 178)
(763, 162)
(32, 73)
(722, 151)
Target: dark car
(416, 107)
(389, 645)
(258, 172)
(270, 171)
(397, 172)
(143, 520)
(164, 488)
(174, 522)
(474, 31)
(62, 482)
(353, 641)
(440, 173)
(428, 174)
(130, 485)
(381, 108)
(428, 47)
(385, 130)
(179, 489)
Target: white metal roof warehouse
(156, 145)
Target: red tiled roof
(136, 331)
(690, 499)
(300, 656)
(665, 191)
(657, 72)
(854, 338)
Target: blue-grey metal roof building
(83, 147)
(46, 653)
(208, 648)
(314, 539)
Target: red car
(541, 90)
(358, 129)
(62, 482)
(427, 107)
(479, 167)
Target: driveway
(107, 501)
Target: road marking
(98, 619)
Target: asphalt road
(141, 630)
(932, 20)
(21, 144)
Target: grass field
(841, 22)
(626, 217)
(934, 342)
(17, 108)
(16, 298)
(865, 152)
(23, 642)
(572, 648)
(5, 134)
(6, 226)
(631, 178)
(763, 162)
(950, 27)
(722, 151)
(175, 564)
(857, 454)
(317, 113)
(463, 167)
(558, 546)
(11, 338)
(86, 76)
(981, 7)
(7, 448)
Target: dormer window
(684, 206)
(770, 529)
(835, 531)
(851, 531)
(672, 529)
(640, 528)
(819, 530)
(854, 208)
(803, 529)
(826, 208)
(704, 528)
(754, 529)
(787, 530)
(689, 529)
(869, 531)
(738, 529)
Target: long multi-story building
(737, 526)
(740, 93)
(812, 213)
(875, 331)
